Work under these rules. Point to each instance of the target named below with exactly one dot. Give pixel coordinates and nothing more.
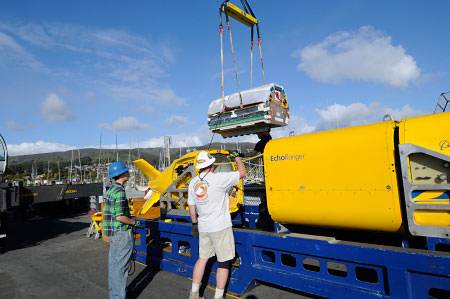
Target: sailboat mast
(71, 165)
(129, 156)
(117, 150)
(99, 159)
(81, 168)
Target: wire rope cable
(223, 10)
(233, 54)
(263, 76)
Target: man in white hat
(208, 200)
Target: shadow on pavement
(140, 282)
(33, 232)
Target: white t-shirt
(209, 194)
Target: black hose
(132, 263)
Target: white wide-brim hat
(204, 160)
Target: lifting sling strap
(248, 18)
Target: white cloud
(199, 137)
(297, 126)
(7, 42)
(338, 116)
(181, 140)
(90, 96)
(178, 140)
(54, 109)
(14, 126)
(403, 112)
(168, 52)
(36, 35)
(11, 51)
(177, 120)
(366, 54)
(28, 148)
(121, 64)
(168, 96)
(104, 126)
(126, 123)
(145, 109)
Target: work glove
(138, 223)
(235, 154)
(195, 232)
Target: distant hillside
(90, 156)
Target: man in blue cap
(117, 223)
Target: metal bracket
(175, 206)
(442, 102)
(411, 206)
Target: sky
(72, 71)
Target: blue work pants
(120, 248)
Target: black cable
(210, 142)
(216, 125)
(132, 263)
(244, 6)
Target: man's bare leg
(221, 281)
(199, 270)
(197, 276)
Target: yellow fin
(147, 169)
(154, 198)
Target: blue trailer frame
(311, 264)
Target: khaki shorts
(219, 243)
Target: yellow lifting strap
(239, 15)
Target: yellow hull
(342, 178)
(348, 178)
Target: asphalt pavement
(52, 258)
